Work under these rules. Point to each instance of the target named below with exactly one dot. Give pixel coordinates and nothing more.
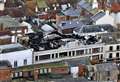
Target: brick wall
(60, 70)
(5, 74)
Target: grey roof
(106, 67)
(8, 21)
(4, 63)
(11, 48)
(70, 24)
(97, 28)
(71, 12)
(85, 5)
(75, 24)
(98, 16)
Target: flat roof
(11, 48)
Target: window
(45, 71)
(15, 64)
(56, 55)
(95, 57)
(118, 47)
(96, 50)
(108, 73)
(101, 56)
(89, 51)
(73, 53)
(79, 52)
(110, 55)
(25, 61)
(52, 55)
(86, 51)
(101, 49)
(16, 74)
(70, 53)
(63, 54)
(44, 57)
(41, 71)
(20, 74)
(111, 48)
(49, 70)
(36, 58)
(117, 55)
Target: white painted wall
(18, 56)
(94, 4)
(64, 49)
(107, 51)
(2, 6)
(107, 19)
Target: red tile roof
(115, 7)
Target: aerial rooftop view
(59, 40)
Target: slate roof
(75, 24)
(70, 24)
(85, 5)
(71, 12)
(5, 63)
(98, 16)
(97, 28)
(11, 48)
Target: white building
(16, 54)
(103, 18)
(106, 49)
(71, 50)
(112, 52)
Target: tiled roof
(72, 12)
(115, 7)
